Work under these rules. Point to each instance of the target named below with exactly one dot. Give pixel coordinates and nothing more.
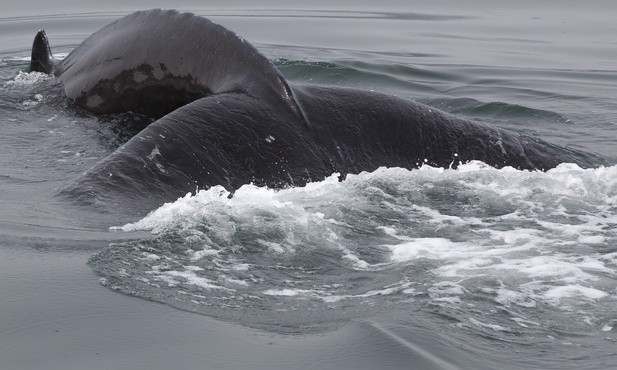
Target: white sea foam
(489, 326)
(433, 248)
(27, 79)
(188, 277)
(288, 292)
(558, 293)
(523, 239)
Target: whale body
(225, 115)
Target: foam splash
(27, 79)
(520, 243)
(28, 89)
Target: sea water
(472, 267)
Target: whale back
(228, 140)
(365, 130)
(227, 117)
(152, 62)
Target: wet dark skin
(224, 115)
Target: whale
(224, 115)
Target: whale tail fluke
(42, 59)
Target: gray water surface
(473, 268)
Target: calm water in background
(473, 268)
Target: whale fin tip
(42, 60)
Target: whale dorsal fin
(42, 59)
